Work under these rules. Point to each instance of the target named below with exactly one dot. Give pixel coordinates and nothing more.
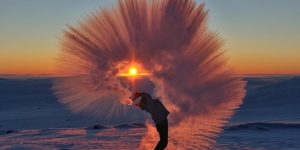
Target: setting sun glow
(133, 71)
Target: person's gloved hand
(137, 101)
(136, 98)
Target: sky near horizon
(261, 37)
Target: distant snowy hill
(276, 101)
(30, 103)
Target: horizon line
(60, 75)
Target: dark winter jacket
(153, 106)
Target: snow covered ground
(74, 138)
(31, 118)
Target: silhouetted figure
(159, 115)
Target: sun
(133, 71)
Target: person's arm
(143, 103)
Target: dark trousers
(162, 129)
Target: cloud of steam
(170, 40)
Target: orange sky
(36, 64)
(27, 66)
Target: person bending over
(158, 112)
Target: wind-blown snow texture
(171, 41)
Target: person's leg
(162, 129)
